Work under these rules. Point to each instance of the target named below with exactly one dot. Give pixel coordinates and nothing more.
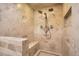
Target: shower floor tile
(46, 53)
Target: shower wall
(75, 27)
(71, 38)
(68, 41)
(16, 20)
(55, 43)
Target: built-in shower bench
(33, 47)
(13, 46)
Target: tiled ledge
(13, 46)
(33, 47)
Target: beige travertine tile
(33, 48)
(12, 49)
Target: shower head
(51, 9)
(40, 11)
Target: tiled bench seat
(33, 47)
(13, 46)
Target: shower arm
(46, 23)
(46, 26)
